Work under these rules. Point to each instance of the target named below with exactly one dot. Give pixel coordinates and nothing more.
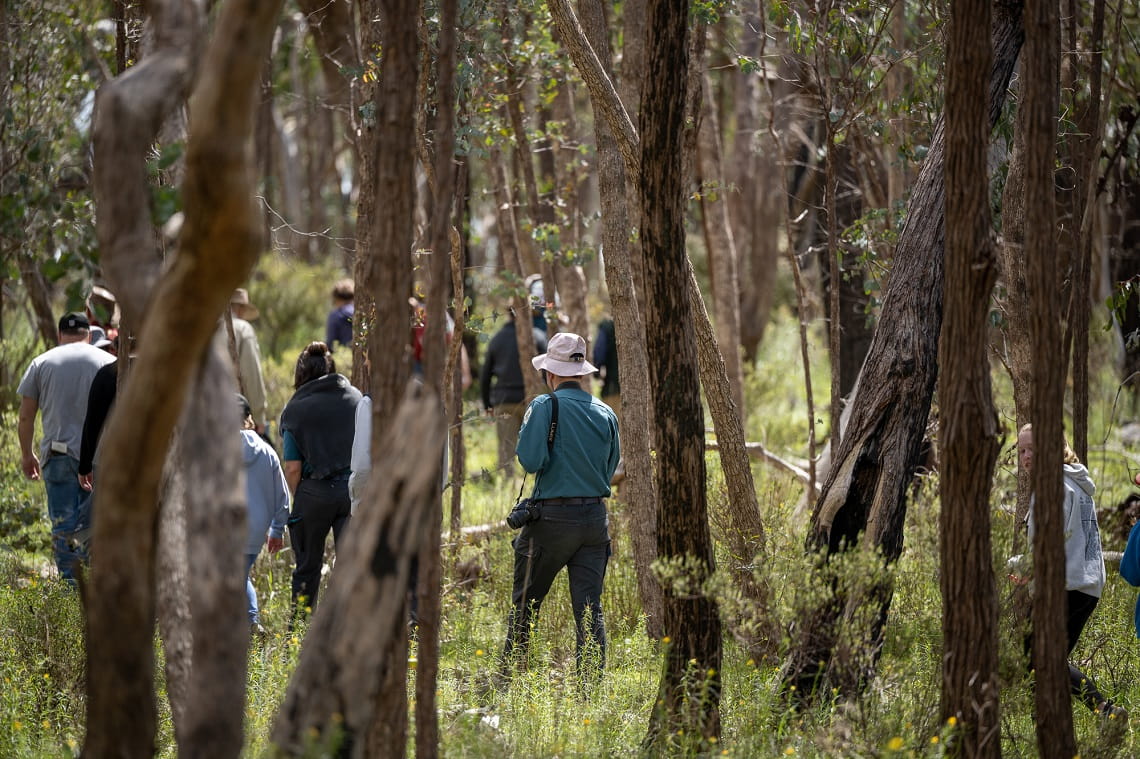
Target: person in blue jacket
(569, 526)
(267, 503)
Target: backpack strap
(553, 423)
(549, 442)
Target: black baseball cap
(73, 321)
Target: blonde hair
(1069, 456)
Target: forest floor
(544, 712)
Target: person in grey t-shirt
(57, 383)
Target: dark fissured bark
(435, 365)
(365, 299)
(388, 279)
(863, 502)
(969, 424)
(1038, 116)
(689, 694)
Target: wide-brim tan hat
(565, 356)
(246, 309)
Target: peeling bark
(331, 697)
(219, 245)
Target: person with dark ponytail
(316, 430)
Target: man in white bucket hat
(566, 525)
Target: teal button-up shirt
(586, 445)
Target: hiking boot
(1110, 711)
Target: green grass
(543, 712)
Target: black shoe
(1110, 711)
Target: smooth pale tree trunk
(1038, 113)
(218, 247)
(863, 501)
(216, 533)
(639, 488)
(172, 590)
(687, 708)
(969, 423)
(335, 687)
(721, 247)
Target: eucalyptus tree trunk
(1038, 113)
(40, 297)
(436, 366)
(863, 501)
(630, 79)
(332, 697)
(572, 284)
(1017, 351)
(366, 296)
(746, 527)
(215, 541)
(512, 259)
(523, 161)
(721, 247)
(387, 268)
(212, 260)
(969, 423)
(755, 207)
(1090, 133)
(172, 589)
(639, 488)
(686, 705)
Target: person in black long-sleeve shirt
(99, 401)
(502, 387)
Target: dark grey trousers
(575, 537)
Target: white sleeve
(361, 461)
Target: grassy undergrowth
(543, 713)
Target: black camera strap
(549, 444)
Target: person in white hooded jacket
(1084, 563)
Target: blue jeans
(69, 507)
(250, 591)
